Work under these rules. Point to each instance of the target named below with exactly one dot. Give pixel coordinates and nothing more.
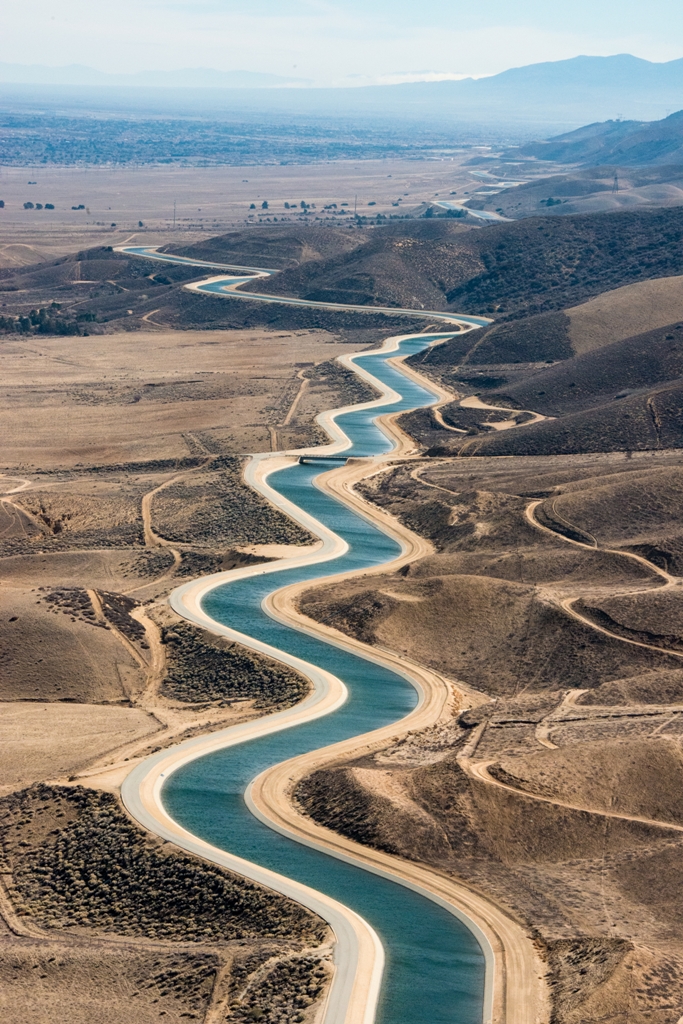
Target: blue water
(435, 968)
(218, 287)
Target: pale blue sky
(335, 42)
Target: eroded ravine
(436, 963)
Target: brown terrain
(601, 376)
(120, 477)
(587, 191)
(208, 200)
(551, 600)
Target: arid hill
(98, 291)
(624, 143)
(607, 189)
(569, 381)
(510, 270)
(273, 247)
(558, 791)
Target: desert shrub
(203, 668)
(99, 869)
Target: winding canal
(435, 969)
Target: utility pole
(174, 214)
(615, 184)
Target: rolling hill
(550, 94)
(534, 265)
(622, 143)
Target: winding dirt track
(480, 770)
(567, 603)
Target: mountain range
(555, 94)
(185, 78)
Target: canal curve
(424, 962)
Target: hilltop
(509, 270)
(624, 143)
(530, 266)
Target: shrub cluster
(117, 609)
(351, 388)
(73, 601)
(204, 669)
(546, 263)
(283, 995)
(100, 870)
(222, 510)
(46, 320)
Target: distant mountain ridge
(555, 93)
(623, 143)
(188, 78)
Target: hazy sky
(335, 41)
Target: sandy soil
(85, 527)
(45, 741)
(93, 419)
(207, 200)
(521, 999)
(132, 397)
(514, 791)
(625, 312)
(480, 561)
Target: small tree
(2, 204)
(28, 206)
(264, 204)
(253, 206)
(140, 224)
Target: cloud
(399, 77)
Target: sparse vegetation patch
(206, 669)
(77, 860)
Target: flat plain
(207, 201)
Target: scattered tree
(264, 204)
(28, 206)
(40, 321)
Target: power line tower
(615, 184)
